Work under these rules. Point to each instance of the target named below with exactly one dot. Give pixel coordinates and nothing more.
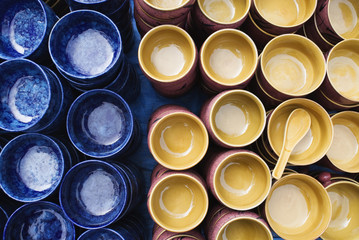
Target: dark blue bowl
(39, 220)
(31, 96)
(31, 167)
(100, 124)
(25, 26)
(102, 233)
(104, 6)
(3, 220)
(94, 194)
(86, 46)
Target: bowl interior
(32, 167)
(85, 44)
(100, 123)
(167, 53)
(166, 4)
(178, 203)
(25, 94)
(343, 69)
(344, 198)
(307, 202)
(286, 13)
(237, 118)
(93, 194)
(223, 11)
(316, 142)
(242, 181)
(179, 141)
(244, 228)
(23, 27)
(293, 64)
(343, 17)
(229, 57)
(48, 218)
(343, 152)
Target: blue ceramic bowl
(102, 233)
(31, 167)
(39, 220)
(94, 194)
(3, 220)
(25, 27)
(100, 124)
(104, 6)
(31, 97)
(86, 46)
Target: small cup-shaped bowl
(343, 152)
(25, 27)
(239, 179)
(216, 15)
(32, 166)
(104, 6)
(298, 207)
(344, 198)
(291, 66)
(100, 124)
(160, 233)
(282, 16)
(178, 201)
(39, 220)
(316, 142)
(228, 60)
(85, 46)
(177, 138)
(342, 82)
(94, 194)
(102, 233)
(234, 118)
(168, 57)
(164, 9)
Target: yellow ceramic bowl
(343, 68)
(343, 152)
(166, 5)
(229, 57)
(344, 224)
(237, 118)
(285, 13)
(293, 65)
(178, 202)
(298, 207)
(317, 141)
(179, 141)
(167, 53)
(244, 228)
(242, 181)
(343, 17)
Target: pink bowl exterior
(220, 215)
(159, 14)
(158, 171)
(323, 23)
(312, 32)
(210, 26)
(162, 234)
(328, 90)
(328, 103)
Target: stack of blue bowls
(87, 49)
(118, 11)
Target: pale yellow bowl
(229, 57)
(298, 207)
(225, 11)
(166, 5)
(242, 181)
(317, 141)
(293, 65)
(344, 223)
(178, 202)
(178, 141)
(343, 68)
(343, 152)
(285, 13)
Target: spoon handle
(281, 163)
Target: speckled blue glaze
(94, 194)
(39, 221)
(100, 124)
(25, 26)
(103, 233)
(86, 46)
(104, 6)
(31, 167)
